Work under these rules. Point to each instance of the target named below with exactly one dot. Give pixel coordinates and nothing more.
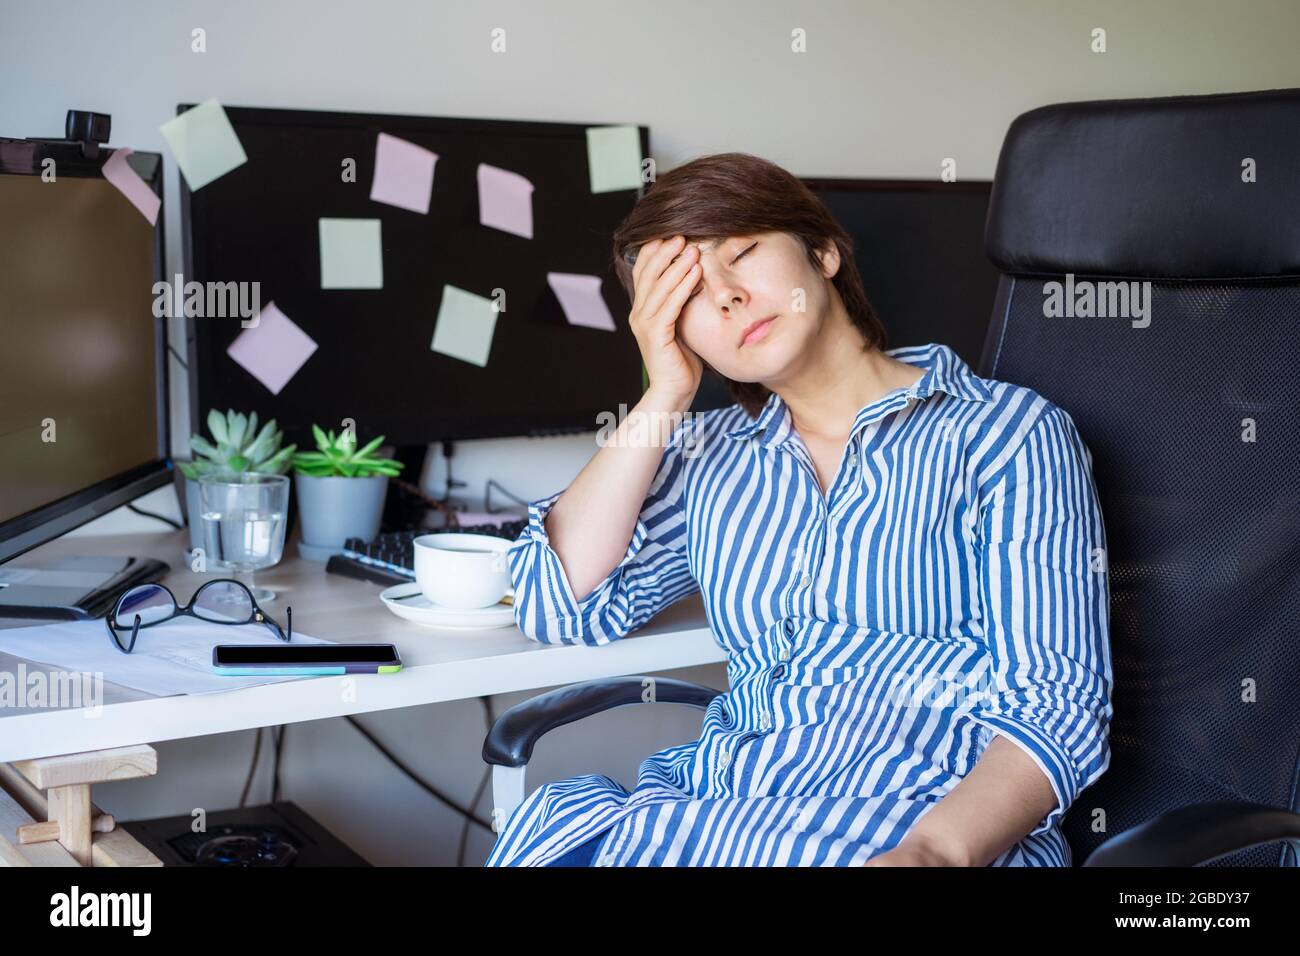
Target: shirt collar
(944, 372)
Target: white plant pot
(331, 510)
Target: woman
(903, 561)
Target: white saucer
(406, 601)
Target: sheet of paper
(403, 174)
(351, 254)
(465, 325)
(505, 200)
(170, 658)
(614, 158)
(204, 143)
(273, 349)
(128, 182)
(581, 300)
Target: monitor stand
(73, 587)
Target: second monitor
(393, 345)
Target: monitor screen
(81, 408)
(920, 248)
(370, 337)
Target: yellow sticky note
(465, 325)
(614, 158)
(351, 254)
(204, 143)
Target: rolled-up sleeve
(653, 573)
(1046, 599)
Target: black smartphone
(261, 660)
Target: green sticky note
(351, 254)
(614, 158)
(204, 143)
(465, 325)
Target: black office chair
(1193, 420)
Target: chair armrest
(510, 741)
(1191, 836)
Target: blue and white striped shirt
(951, 586)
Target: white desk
(438, 665)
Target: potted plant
(239, 447)
(341, 490)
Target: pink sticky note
(273, 349)
(505, 200)
(128, 182)
(581, 300)
(403, 174)
(498, 518)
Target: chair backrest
(1189, 401)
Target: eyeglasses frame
(256, 616)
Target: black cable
(150, 514)
(482, 784)
(448, 449)
(275, 771)
(428, 788)
(252, 768)
(487, 495)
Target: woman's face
(758, 305)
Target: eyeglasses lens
(223, 602)
(150, 601)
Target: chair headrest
(1153, 188)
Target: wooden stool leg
(58, 789)
(70, 806)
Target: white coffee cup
(462, 571)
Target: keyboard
(390, 558)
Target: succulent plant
(340, 457)
(239, 447)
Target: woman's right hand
(662, 284)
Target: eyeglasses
(221, 601)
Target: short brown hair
(730, 194)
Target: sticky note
(204, 143)
(505, 200)
(273, 349)
(614, 158)
(128, 182)
(403, 174)
(351, 254)
(465, 325)
(498, 518)
(581, 300)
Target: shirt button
(724, 760)
(765, 724)
(785, 655)
(805, 581)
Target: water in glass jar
(242, 539)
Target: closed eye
(733, 262)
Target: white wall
(884, 89)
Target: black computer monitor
(373, 361)
(83, 370)
(919, 245)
